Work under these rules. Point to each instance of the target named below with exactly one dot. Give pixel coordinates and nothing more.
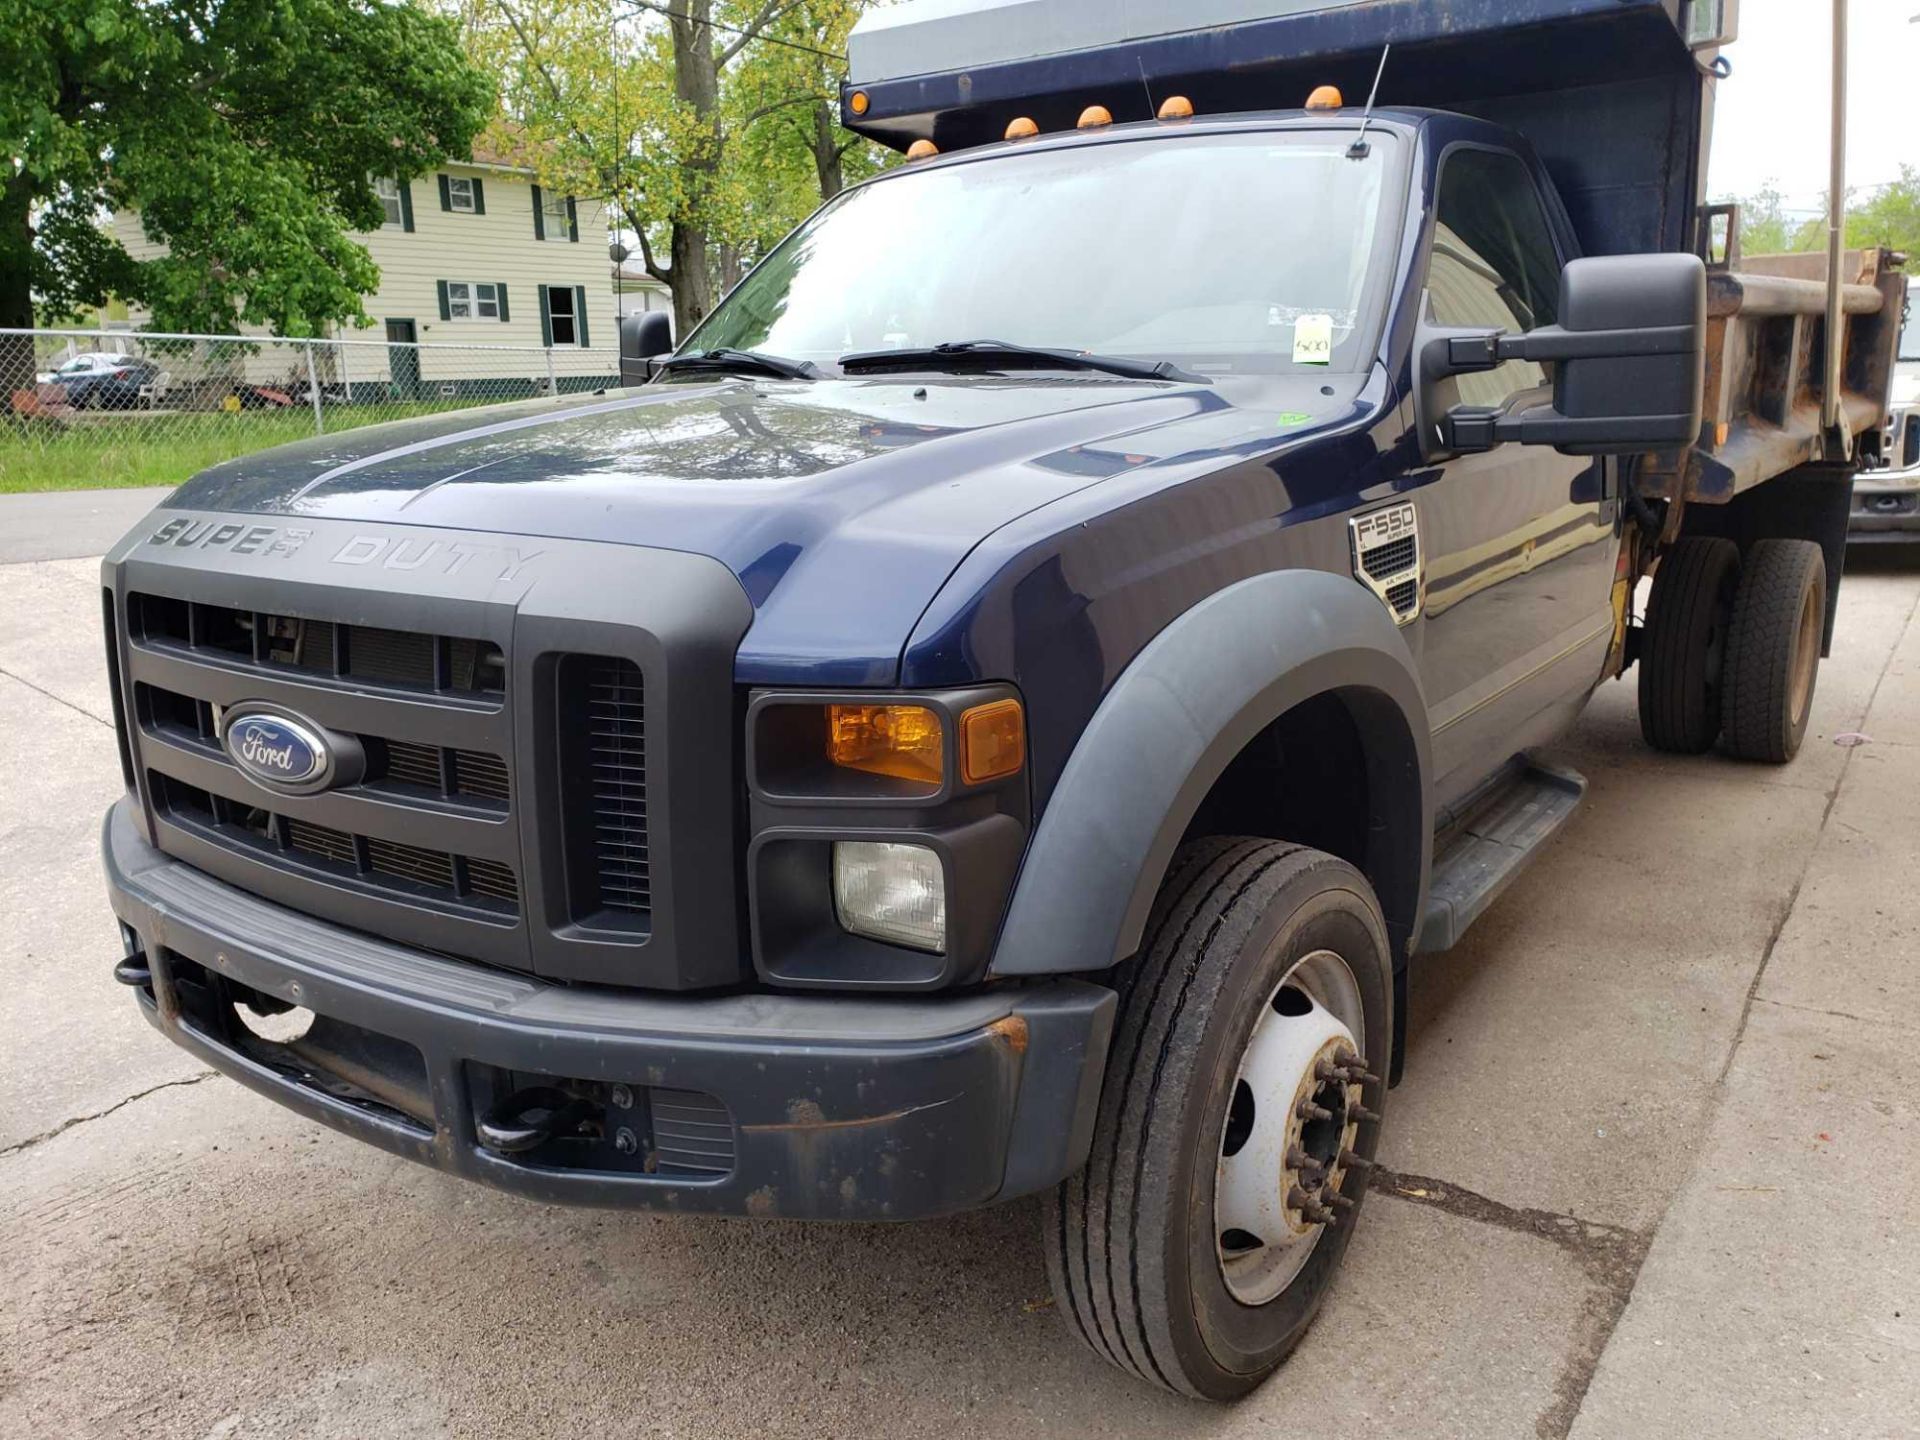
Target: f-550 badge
(1387, 558)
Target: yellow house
(477, 253)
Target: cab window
(1493, 262)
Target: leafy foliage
(246, 133)
(712, 124)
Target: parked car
(105, 381)
(1886, 501)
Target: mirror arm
(1476, 351)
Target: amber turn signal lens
(993, 741)
(1022, 128)
(903, 741)
(1095, 116)
(922, 150)
(858, 102)
(1326, 97)
(1176, 107)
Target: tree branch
(770, 11)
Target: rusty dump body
(1765, 380)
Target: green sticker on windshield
(1294, 417)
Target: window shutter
(479, 197)
(406, 205)
(546, 318)
(573, 221)
(501, 287)
(446, 311)
(539, 220)
(446, 196)
(580, 315)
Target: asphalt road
(1655, 1167)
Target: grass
(117, 451)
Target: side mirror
(642, 337)
(1629, 357)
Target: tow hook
(134, 971)
(528, 1119)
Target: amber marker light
(858, 102)
(1326, 97)
(1095, 116)
(1022, 128)
(993, 741)
(1176, 107)
(922, 150)
(902, 741)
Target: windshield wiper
(1001, 352)
(724, 359)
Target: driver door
(1520, 541)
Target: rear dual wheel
(1238, 1120)
(1732, 647)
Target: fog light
(895, 893)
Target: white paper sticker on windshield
(1313, 340)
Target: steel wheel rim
(1256, 1176)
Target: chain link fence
(116, 407)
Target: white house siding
(498, 247)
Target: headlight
(895, 893)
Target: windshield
(1233, 252)
(1910, 337)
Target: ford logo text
(285, 753)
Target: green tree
(246, 133)
(1891, 218)
(699, 120)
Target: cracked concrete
(118, 1105)
(1691, 1021)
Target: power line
(751, 35)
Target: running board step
(1480, 857)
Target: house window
(460, 194)
(557, 223)
(388, 189)
(473, 300)
(565, 326)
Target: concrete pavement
(1653, 1166)
(59, 524)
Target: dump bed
(1612, 93)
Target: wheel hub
(1287, 1145)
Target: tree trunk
(16, 285)
(696, 84)
(826, 152)
(692, 277)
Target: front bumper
(1886, 507)
(836, 1107)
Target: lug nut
(1360, 1112)
(1331, 1196)
(1307, 1110)
(1355, 1162)
(1298, 1159)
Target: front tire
(1237, 1123)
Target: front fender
(1170, 725)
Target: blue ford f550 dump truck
(999, 710)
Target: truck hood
(841, 505)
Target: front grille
(614, 738)
(377, 864)
(365, 653)
(402, 766)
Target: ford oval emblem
(277, 750)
